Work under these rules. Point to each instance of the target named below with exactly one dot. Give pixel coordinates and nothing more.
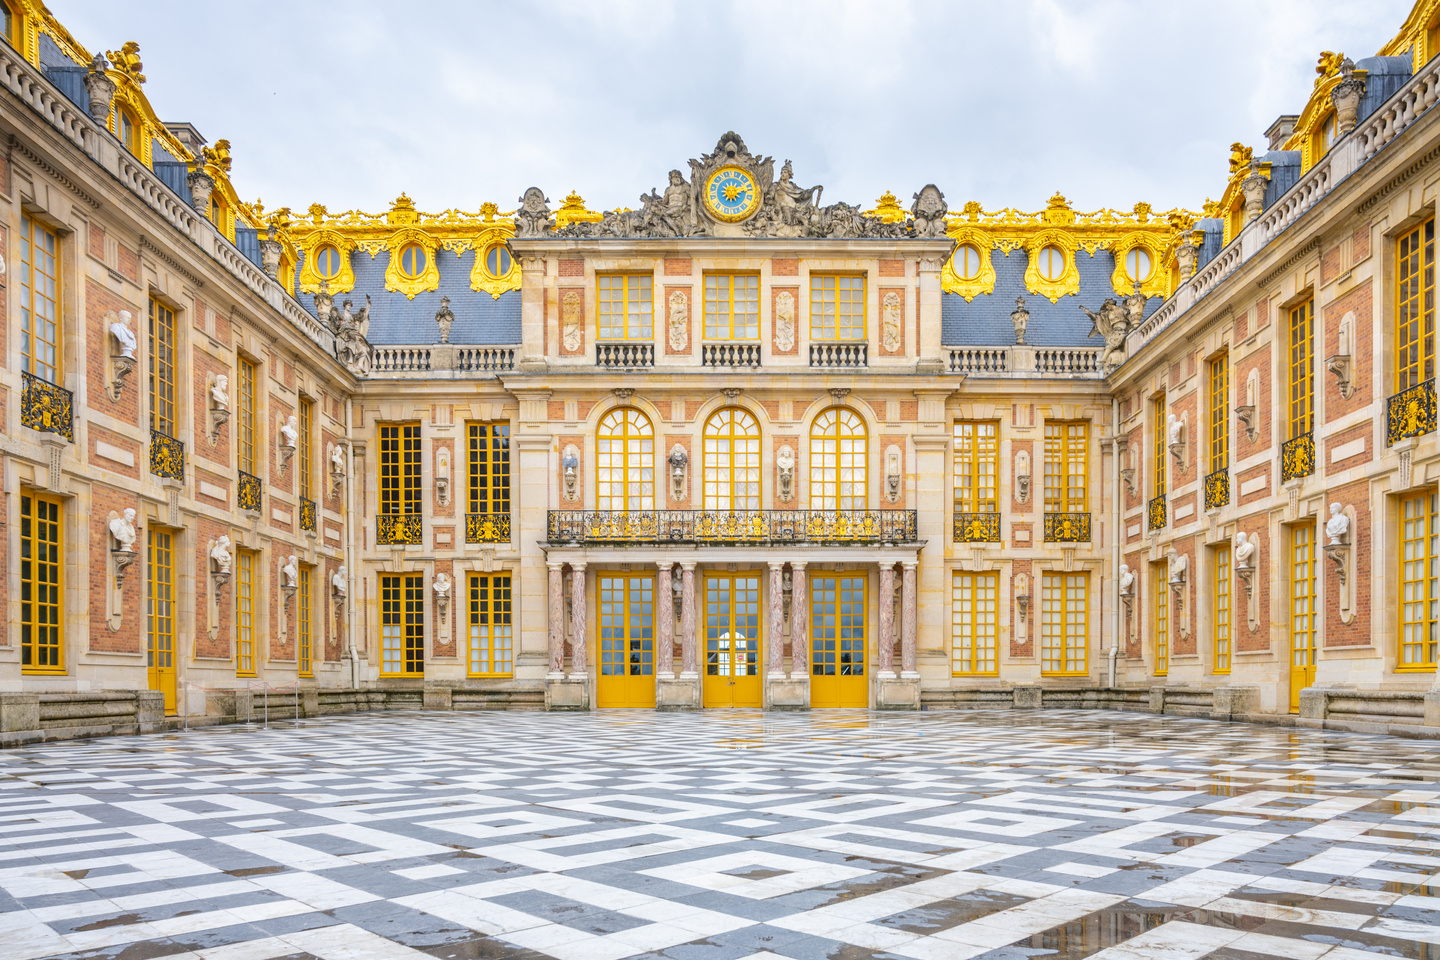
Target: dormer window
(967, 262)
(327, 262)
(412, 261)
(126, 129)
(1138, 265)
(1051, 264)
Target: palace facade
(735, 448)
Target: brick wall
(103, 501)
(446, 646)
(205, 366)
(100, 301)
(1259, 361)
(1032, 616)
(1358, 302)
(207, 530)
(1358, 631)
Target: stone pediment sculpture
(1111, 322)
(352, 347)
(734, 193)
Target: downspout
(1119, 532)
(350, 546)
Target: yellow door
(837, 641)
(160, 614)
(1303, 611)
(732, 640)
(627, 640)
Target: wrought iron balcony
(977, 527)
(730, 354)
(624, 356)
(742, 527)
(307, 514)
(1067, 528)
(167, 456)
(1410, 413)
(487, 528)
(248, 495)
(1217, 489)
(399, 528)
(1156, 512)
(47, 408)
(1297, 457)
(846, 354)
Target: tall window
(402, 625)
(626, 306)
(245, 430)
(41, 589)
(732, 461)
(492, 651)
(1158, 466)
(974, 624)
(732, 306)
(1219, 413)
(1419, 582)
(1221, 616)
(1415, 307)
(304, 654)
(1160, 596)
(1064, 615)
(400, 469)
(1067, 467)
(39, 300)
(625, 468)
(977, 466)
(160, 613)
(837, 461)
(837, 308)
(488, 452)
(1302, 369)
(245, 614)
(307, 434)
(1303, 610)
(162, 368)
(126, 128)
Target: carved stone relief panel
(785, 320)
(572, 322)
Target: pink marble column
(557, 620)
(578, 626)
(887, 619)
(907, 620)
(775, 642)
(687, 621)
(799, 622)
(665, 622)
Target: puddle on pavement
(253, 871)
(944, 914)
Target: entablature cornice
(735, 247)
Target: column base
(682, 694)
(792, 693)
(884, 674)
(909, 675)
(567, 693)
(897, 694)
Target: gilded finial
(1328, 65)
(317, 213)
(1211, 208)
(973, 210)
(887, 209)
(488, 211)
(1057, 210)
(572, 210)
(1142, 212)
(217, 156)
(402, 212)
(1240, 157)
(127, 60)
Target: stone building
(737, 447)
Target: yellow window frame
(625, 461)
(400, 469)
(731, 461)
(245, 613)
(1160, 617)
(975, 624)
(1222, 612)
(304, 455)
(1418, 604)
(839, 451)
(1302, 369)
(1064, 624)
(1415, 306)
(491, 635)
(402, 625)
(163, 353)
(42, 584)
(41, 324)
(975, 459)
(721, 302)
(305, 635)
(245, 432)
(625, 306)
(487, 446)
(160, 612)
(1304, 597)
(837, 307)
(1067, 466)
(1158, 410)
(1219, 397)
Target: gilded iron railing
(1217, 489)
(487, 528)
(1410, 413)
(1067, 528)
(1297, 457)
(399, 528)
(248, 494)
(746, 526)
(1155, 513)
(46, 407)
(977, 527)
(167, 456)
(307, 514)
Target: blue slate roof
(985, 321)
(1387, 74)
(394, 318)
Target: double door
(732, 640)
(837, 640)
(627, 640)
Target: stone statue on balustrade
(1111, 324)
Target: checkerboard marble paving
(723, 836)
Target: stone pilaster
(908, 619)
(775, 665)
(556, 597)
(578, 625)
(665, 622)
(688, 661)
(799, 622)
(887, 620)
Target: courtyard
(724, 835)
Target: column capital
(798, 565)
(554, 565)
(577, 566)
(910, 564)
(688, 565)
(666, 565)
(885, 564)
(777, 565)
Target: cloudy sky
(1112, 101)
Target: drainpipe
(1119, 532)
(350, 546)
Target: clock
(731, 194)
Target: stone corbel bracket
(1127, 475)
(1245, 573)
(1022, 476)
(283, 447)
(894, 474)
(1179, 568)
(1342, 554)
(442, 476)
(1340, 364)
(1176, 439)
(1245, 416)
(120, 561)
(218, 579)
(337, 476)
(570, 473)
(118, 366)
(1021, 584)
(216, 415)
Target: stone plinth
(782, 693)
(902, 693)
(567, 693)
(677, 693)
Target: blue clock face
(731, 194)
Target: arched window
(327, 261)
(837, 461)
(1137, 264)
(412, 260)
(732, 461)
(625, 464)
(1051, 263)
(967, 262)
